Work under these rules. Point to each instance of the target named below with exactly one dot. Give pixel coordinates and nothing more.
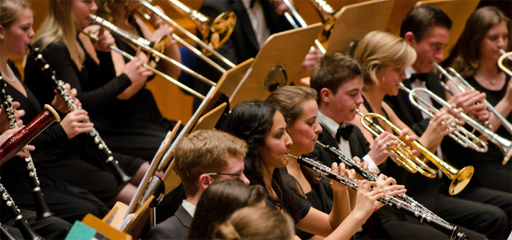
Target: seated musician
(386, 57)
(201, 158)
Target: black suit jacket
(175, 227)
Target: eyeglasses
(238, 175)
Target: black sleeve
(302, 204)
(50, 137)
(58, 56)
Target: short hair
(204, 151)
(247, 223)
(219, 201)
(421, 19)
(467, 59)
(9, 11)
(378, 49)
(334, 70)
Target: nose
(359, 99)
(31, 33)
(402, 75)
(318, 128)
(288, 140)
(94, 7)
(245, 179)
(439, 55)
(501, 42)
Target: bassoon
(42, 209)
(107, 159)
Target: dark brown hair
(421, 19)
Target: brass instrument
(216, 32)
(396, 203)
(297, 18)
(165, 76)
(504, 144)
(144, 44)
(326, 12)
(460, 178)
(462, 136)
(503, 53)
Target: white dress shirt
(189, 207)
(258, 22)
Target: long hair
(9, 11)
(378, 49)
(252, 121)
(219, 201)
(288, 101)
(467, 60)
(59, 26)
(107, 9)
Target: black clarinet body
(15, 213)
(102, 150)
(42, 209)
(396, 203)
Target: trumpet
(504, 144)
(326, 12)
(216, 32)
(144, 44)
(462, 136)
(460, 178)
(165, 76)
(303, 24)
(425, 217)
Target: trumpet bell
(160, 46)
(461, 180)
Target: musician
(387, 56)
(201, 158)
(71, 157)
(219, 201)
(264, 130)
(65, 200)
(477, 53)
(246, 223)
(256, 21)
(426, 29)
(300, 111)
(132, 124)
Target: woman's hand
(4, 121)
(366, 200)
(24, 152)
(59, 103)
(336, 185)
(388, 185)
(76, 122)
(135, 69)
(155, 20)
(105, 40)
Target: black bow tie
(344, 132)
(420, 76)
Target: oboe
(102, 149)
(42, 209)
(22, 224)
(425, 217)
(372, 177)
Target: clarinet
(42, 209)
(4, 234)
(94, 137)
(22, 224)
(372, 177)
(425, 217)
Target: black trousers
(64, 200)
(484, 220)
(49, 228)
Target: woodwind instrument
(21, 138)
(107, 159)
(42, 209)
(15, 213)
(4, 234)
(435, 222)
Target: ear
(410, 38)
(325, 95)
(205, 181)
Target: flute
(42, 209)
(102, 149)
(425, 217)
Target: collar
(409, 71)
(189, 207)
(331, 125)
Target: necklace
(493, 82)
(12, 74)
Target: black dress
(74, 160)
(489, 172)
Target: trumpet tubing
(326, 12)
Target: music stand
(210, 119)
(459, 13)
(285, 49)
(104, 228)
(355, 21)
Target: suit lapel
(183, 216)
(243, 17)
(325, 138)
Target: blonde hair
(59, 25)
(256, 223)
(9, 11)
(204, 151)
(379, 49)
